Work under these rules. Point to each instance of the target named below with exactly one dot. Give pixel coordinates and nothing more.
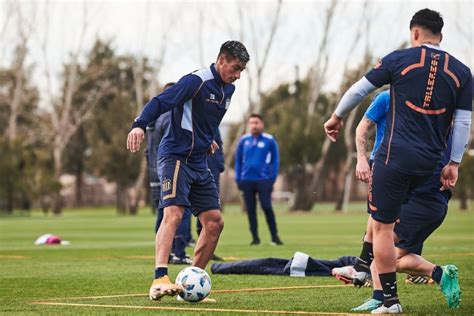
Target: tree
(108, 129)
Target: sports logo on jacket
(212, 99)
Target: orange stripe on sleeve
(417, 65)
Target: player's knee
(173, 216)
(215, 226)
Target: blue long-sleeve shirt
(198, 102)
(257, 158)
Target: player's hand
(449, 176)
(363, 169)
(332, 127)
(213, 149)
(134, 139)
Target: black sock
(437, 274)
(365, 259)
(389, 286)
(161, 271)
(378, 295)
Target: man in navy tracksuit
(256, 169)
(154, 133)
(198, 102)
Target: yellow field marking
(261, 289)
(193, 309)
(13, 257)
(457, 254)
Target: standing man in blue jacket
(256, 169)
(198, 102)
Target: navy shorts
(388, 190)
(419, 218)
(182, 185)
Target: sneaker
(361, 279)
(417, 279)
(217, 258)
(450, 286)
(206, 300)
(191, 243)
(255, 242)
(276, 241)
(394, 309)
(163, 286)
(177, 260)
(345, 274)
(368, 305)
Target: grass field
(113, 255)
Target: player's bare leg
(445, 276)
(212, 225)
(386, 264)
(162, 285)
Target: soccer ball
(196, 284)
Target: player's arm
(461, 134)
(348, 102)
(275, 159)
(380, 75)
(362, 166)
(170, 98)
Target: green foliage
(26, 174)
(286, 118)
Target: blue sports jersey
(377, 113)
(198, 102)
(427, 86)
(257, 158)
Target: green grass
(112, 254)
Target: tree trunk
(57, 203)
(136, 191)
(463, 200)
(304, 197)
(78, 186)
(121, 199)
(349, 143)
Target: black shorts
(182, 185)
(419, 218)
(388, 190)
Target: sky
(191, 33)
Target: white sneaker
(394, 309)
(345, 274)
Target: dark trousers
(264, 190)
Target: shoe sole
(343, 279)
(170, 292)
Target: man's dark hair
(234, 49)
(428, 19)
(255, 115)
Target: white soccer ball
(196, 284)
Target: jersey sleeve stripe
(446, 70)
(417, 65)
